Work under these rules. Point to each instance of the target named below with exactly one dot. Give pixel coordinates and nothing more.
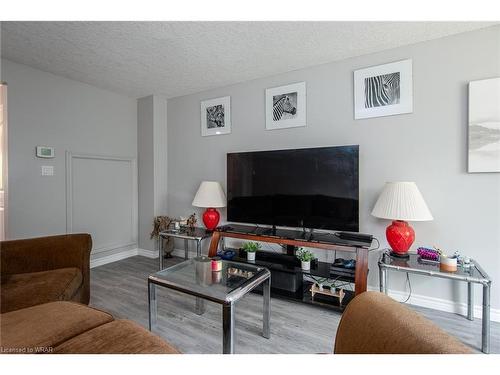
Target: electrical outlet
(47, 170)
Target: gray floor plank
(121, 289)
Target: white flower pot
(306, 266)
(250, 256)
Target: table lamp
(210, 196)
(401, 202)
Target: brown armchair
(374, 323)
(39, 270)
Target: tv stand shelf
(325, 241)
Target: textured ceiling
(179, 58)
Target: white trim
(180, 253)
(69, 197)
(123, 255)
(112, 258)
(5, 161)
(147, 253)
(440, 304)
(102, 249)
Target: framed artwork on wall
(286, 106)
(383, 90)
(484, 126)
(216, 116)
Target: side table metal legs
(486, 319)
(186, 249)
(160, 252)
(382, 274)
(266, 319)
(152, 303)
(228, 328)
(470, 301)
(199, 306)
(198, 248)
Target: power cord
(409, 287)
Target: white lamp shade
(401, 201)
(210, 194)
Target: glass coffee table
(472, 274)
(195, 277)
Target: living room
(250, 187)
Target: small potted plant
(251, 248)
(305, 257)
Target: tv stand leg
(266, 295)
(361, 274)
(214, 244)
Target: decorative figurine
(191, 221)
(160, 224)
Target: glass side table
(196, 278)
(473, 274)
(187, 234)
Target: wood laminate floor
(121, 289)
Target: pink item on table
(428, 254)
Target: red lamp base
(211, 218)
(400, 237)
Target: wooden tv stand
(246, 233)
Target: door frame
(5, 164)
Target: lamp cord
(409, 287)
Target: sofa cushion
(40, 328)
(28, 289)
(117, 337)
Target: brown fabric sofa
(39, 277)
(374, 323)
(45, 269)
(72, 328)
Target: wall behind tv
(427, 146)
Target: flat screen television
(305, 188)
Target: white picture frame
(291, 106)
(484, 126)
(213, 112)
(383, 90)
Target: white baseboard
(440, 304)
(112, 258)
(147, 253)
(180, 253)
(122, 255)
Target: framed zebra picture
(286, 106)
(216, 116)
(383, 90)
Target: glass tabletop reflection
(196, 276)
(415, 263)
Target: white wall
(45, 109)
(145, 135)
(428, 146)
(152, 157)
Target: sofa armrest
(374, 323)
(48, 253)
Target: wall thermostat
(45, 152)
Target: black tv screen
(304, 188)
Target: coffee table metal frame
(262, 276)
(483, 280)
